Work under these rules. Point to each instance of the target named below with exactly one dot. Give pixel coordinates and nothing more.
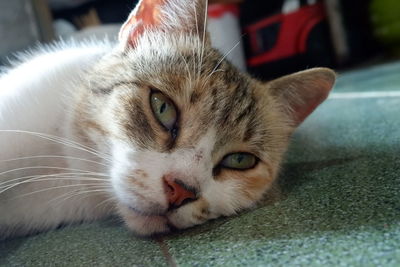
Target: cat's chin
(144, 225)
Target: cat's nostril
(178, 193)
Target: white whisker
(196, 19)
(198, 34)
(44, 167)
(204, 39)
(54, 176)
(62, 141)
(110, 199)
(224, 57)
(188, 70)
(39, 179)
(54, 156)
(42, 178)
(53, 188)
(87, 193)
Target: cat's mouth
(156, 218)
(148, 213)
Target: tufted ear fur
(302, 92)
(166, 15)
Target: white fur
(183, 163)
(35, 97)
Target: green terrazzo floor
(340, 204)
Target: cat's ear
(166, 15)
(303, 91)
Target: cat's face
(190, 137)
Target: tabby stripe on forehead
(250, 127)
(237, 98)
(241, 90)
(215, 99)
(245, 112)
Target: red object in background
(219, 10)
(292, 32)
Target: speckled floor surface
(340, 203)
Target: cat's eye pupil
(164, 110)
(239, 161)
(163, 107)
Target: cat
(159, 129)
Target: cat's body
(160, 130)
(43, 101)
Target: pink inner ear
(146, 15)
(303, 111)
(311, 99)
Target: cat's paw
(195, 213)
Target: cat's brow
(236, 104)
(109, 89)
(252, 124)
(194, 97)
(245, 112)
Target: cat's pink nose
(177, 192)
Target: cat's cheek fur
(141, 189)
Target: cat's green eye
(240, 161)
(164, 110)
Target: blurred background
(267, 38)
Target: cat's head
(190, 138)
